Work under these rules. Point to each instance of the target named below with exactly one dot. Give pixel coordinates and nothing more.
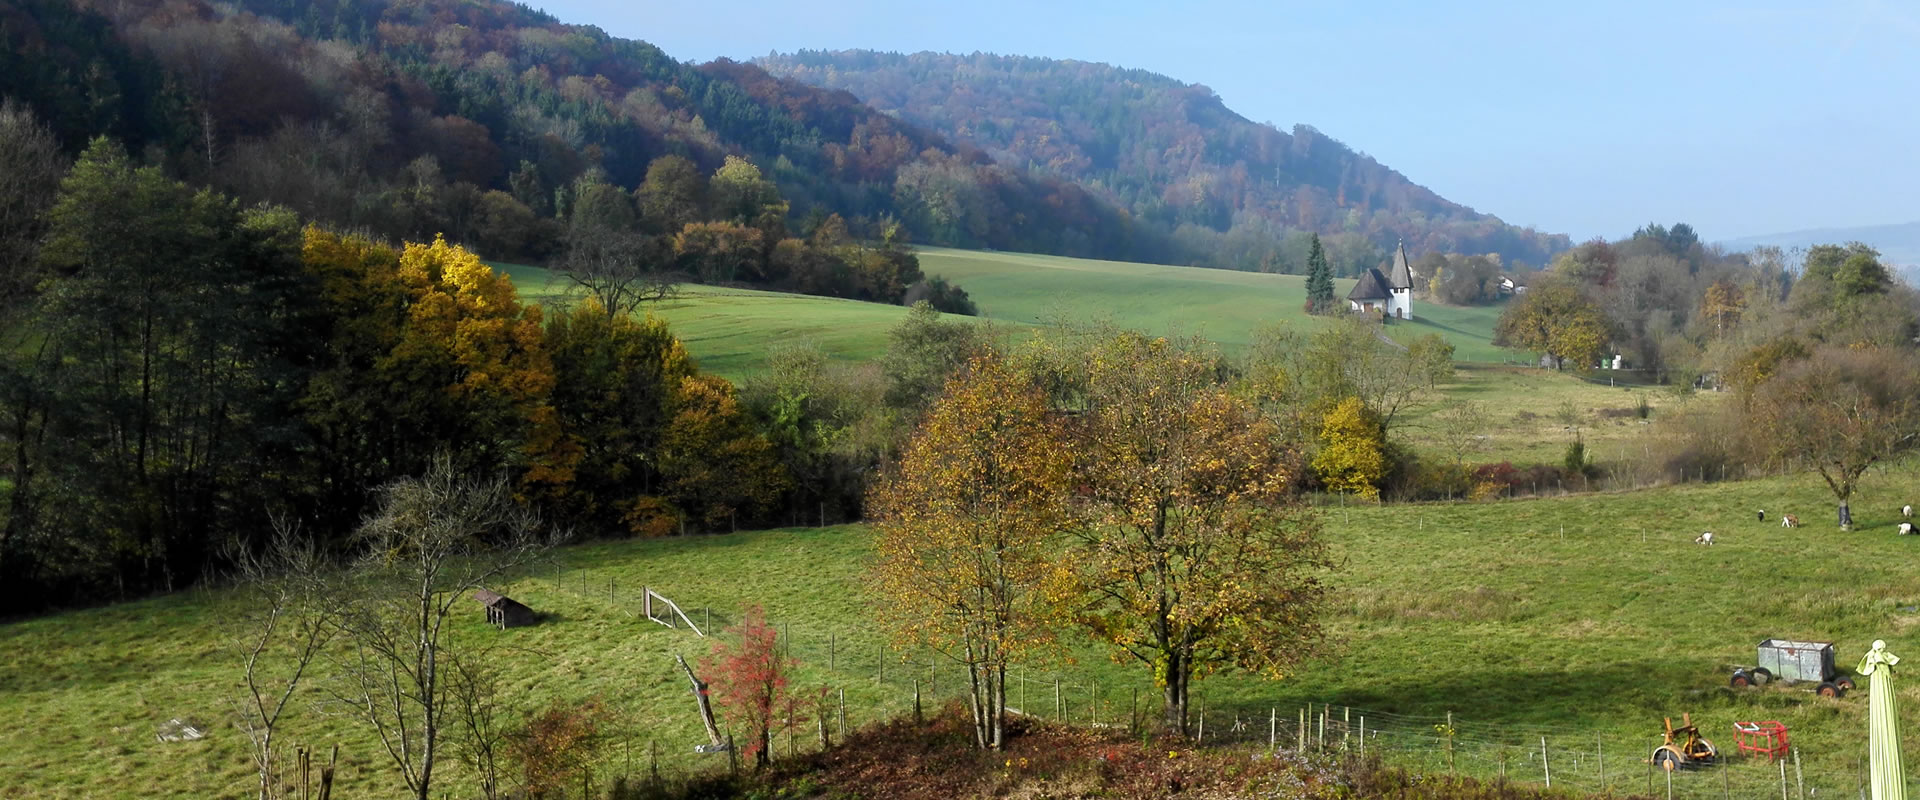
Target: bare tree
(1839, 412)
(283, 628)
(435, 540)
(620, 269)
(481, 711)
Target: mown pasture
(1582, 620)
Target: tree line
(483, 121)
(1818, 348)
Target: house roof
(1401, 276)
(1372, 286)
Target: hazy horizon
(1740, 119)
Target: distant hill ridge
(1898, 243)
(1170, 152)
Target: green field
(730, 330)
(1225, 306)
(1583, 620)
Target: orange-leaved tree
(967, 522)
(1192, 554)
(750, 680)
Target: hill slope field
(730, 329)
(1580, 620)
(1223, 305)
(1170, 152)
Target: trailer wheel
(1667, 759)
(1741, 679)
(1845, 683)
(1762, 676)
(1829, 689)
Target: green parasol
(1883, 724)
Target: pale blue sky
(1587, 119)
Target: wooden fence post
(1549, 770)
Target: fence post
(1273, 727)
(1133, 713)
(1363, 737)
(1799, 782)
(1346, 727)
(916, 701)
(843, 715)
(1059, 708)
(1549, 770)
(609, 588)
(1301, 733)
(1783, 780)
(646, 601)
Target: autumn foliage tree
(1352, 455)
(967, 522)
(750, 681)
(1557, 320)
(1191, 555)
(556, 747)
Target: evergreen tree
(1319, 279)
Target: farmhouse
(1511, 286)
(1389, 294)
(502, 611)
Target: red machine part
(1769, 737)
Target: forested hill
(1170, 152)
(485, 119)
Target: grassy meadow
(730, 330)
(1581, 619)
(1226, 306)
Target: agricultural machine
(1684, 747)
(1795, 662)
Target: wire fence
(1548, 756)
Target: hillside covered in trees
(1172, 154)
(485, 120)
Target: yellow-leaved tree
(717, 465)
(477, 359)
(967, 522)
(1192, 555)
(1352, 455)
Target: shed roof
(1372, 286)
(493, 599)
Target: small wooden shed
(504, 612)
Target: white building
(1389, 294)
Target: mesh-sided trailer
(1794, 661)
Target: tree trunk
(706, 705)
(1174, 712)
(1846, 517)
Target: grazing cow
(1905, 528)
(1763, 515)
(1705, 537)
(1906, 511)
(1789, 521)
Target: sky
(1589, 119)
